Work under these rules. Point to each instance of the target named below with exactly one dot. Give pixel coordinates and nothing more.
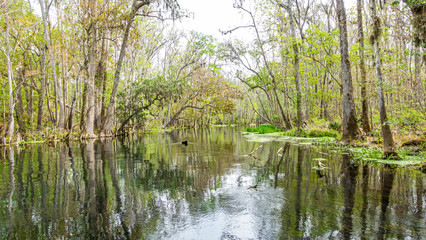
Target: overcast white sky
(211, 15)
(208, 16)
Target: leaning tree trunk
(388, 143)
(349, 124)
(107, 126)
(11, 127)
(364, 101)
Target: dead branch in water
(255, 150)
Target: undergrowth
(264, 128)
(312, 133)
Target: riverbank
(410, 147)
(412, 151)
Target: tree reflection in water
(349, 171)
(387, 184)
(152, 188)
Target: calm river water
(154, 187)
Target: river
(154, 187)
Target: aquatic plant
(264, 128)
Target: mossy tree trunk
(349, 123)
(364, 100)
(388, 143)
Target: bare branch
(234, 29)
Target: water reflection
(153, 187)
(364, 193)
(349, 171)
(12, 191)
(387, 184)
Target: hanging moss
(375, 34)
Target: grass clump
(264, 128)
(321, 132)
(336, 126)
(312, 133)
(293, 133)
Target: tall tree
(364, 100)
(11, 126)
(136, 5)
(42, 91)
(349, 123)
(300, 115)
(90, 121)
(44, 6)
(388, 143)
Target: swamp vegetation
(117, 122)
(85, 69)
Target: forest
(79, 69)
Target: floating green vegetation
(375, 155)
(34, 142)
(260, 138)
(264, 128)
(409, 158)
(277, 136)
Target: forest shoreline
(368, 150)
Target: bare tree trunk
(72, 110)
(42, 88)
(307, 102)
(101, 83)
(91, 80)
(419, 91)
(4, 112)
(388, 144)
(29, 96)
(11, 126)
(83, 107)
(20, 106)
(364, 100)
(56, 82)
(300, 116)
(350, 126)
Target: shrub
(294, 133)
(315, 132)
(336, 126)
(319, 132)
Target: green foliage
(292, 132)
(264, 128)
(315, 132)
(336, 126)
(375, 155)
(409, 120)
(140, 97)
(320, 132)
